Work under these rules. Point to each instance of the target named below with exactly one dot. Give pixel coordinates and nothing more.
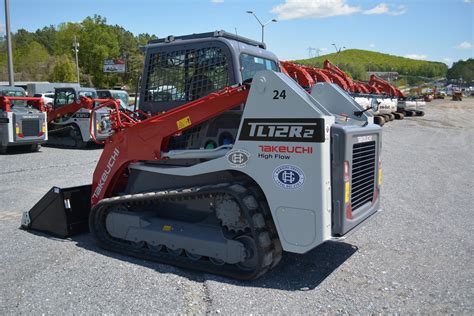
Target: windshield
(122, 96)
(89, 94)
(10, 93)
(250, 65)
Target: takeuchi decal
(106, 173)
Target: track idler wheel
(420, 113)
(379, 120)
(409, 113)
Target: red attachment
(335, 78)
(341, 74)
(385, 87)
(361, 87)
(5, 103)
(298, 73)
(308, 76)
(145, 140)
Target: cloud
(217, 1)
(378, 9)
(468, 1)
(371, 45)
(464, 45)
(416, 56)
(382, 8)
(300, 9)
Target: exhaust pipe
(60, 212)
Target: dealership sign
(117, 65)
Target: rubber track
(65, 141)
(262, 228)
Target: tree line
(462, 70)
(48, 54)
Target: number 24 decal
(279, 94)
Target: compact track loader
(21, 124)
(71, 120)
(237, 164)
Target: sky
(437, 30)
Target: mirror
(374, 105)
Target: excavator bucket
(61, 212)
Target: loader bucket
(60, 212)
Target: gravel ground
(415, 257)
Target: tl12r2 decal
(283, 130)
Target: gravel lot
(415, 257)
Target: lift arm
(145, 140)
(337, 71)
(5, 102)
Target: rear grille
(363, 173)
(30, 127)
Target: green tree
(64, 70)
(462, 69)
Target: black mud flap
(60, 212)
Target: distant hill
(357, 62)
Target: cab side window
(64, 97)
(250, 65)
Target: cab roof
(215, 34)
(11, 88)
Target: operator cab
(69, 95)
(185, 68)
(10, 91)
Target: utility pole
(262, 24)
(11, 79)
(75, 44)
(338, 50)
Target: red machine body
(145, 140)
(385, 87)
(333, 69)
(298, 73)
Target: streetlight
(75, 46)
(11, 80)
(261, 24)
(338, 50)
